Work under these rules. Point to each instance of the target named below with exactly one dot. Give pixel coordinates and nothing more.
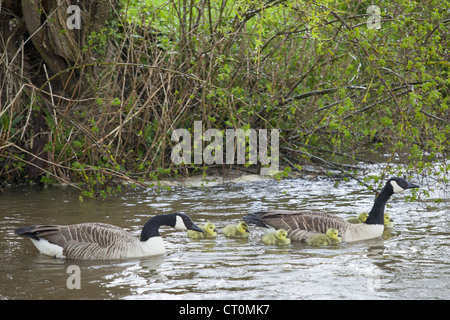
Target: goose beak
(195, 228)
(412, 185)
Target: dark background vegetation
(96, 106)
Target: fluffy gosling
(210, 232)
(278, 238)
(388, 222)
(359, 219)
(330, 238)
(239, 231)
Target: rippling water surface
(409, 262)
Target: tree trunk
(42, 42)
(42, 53)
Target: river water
(409, 262)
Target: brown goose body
(85, 241)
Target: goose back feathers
(89, 241)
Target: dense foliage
(343, 91)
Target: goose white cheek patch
(396, 187)
(180, 224)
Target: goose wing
(300, 225)
(118, 248)
(101, 233)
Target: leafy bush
(341, 91)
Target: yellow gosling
(330, 238)
(388, 222)
(278, 238)
(362, 217)
(239, 231)
(209, 232)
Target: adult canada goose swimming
(239, 231)
(301, 225)
(327, 239)
(101, 241)
(278, 238)
(209, 232)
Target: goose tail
(27, 232)
(255, 218)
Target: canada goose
(331, 237)
(278, 238)
(209, 232)
(236, 231)
(300, 225)
(362, 217)
(101, 241)
(388, 222)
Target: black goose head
(397, 184)
(177, 220)
(183, 222)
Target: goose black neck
(151, 227)
(376, 215)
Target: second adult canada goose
(278, 238)
(101, 241)
(301, 225)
